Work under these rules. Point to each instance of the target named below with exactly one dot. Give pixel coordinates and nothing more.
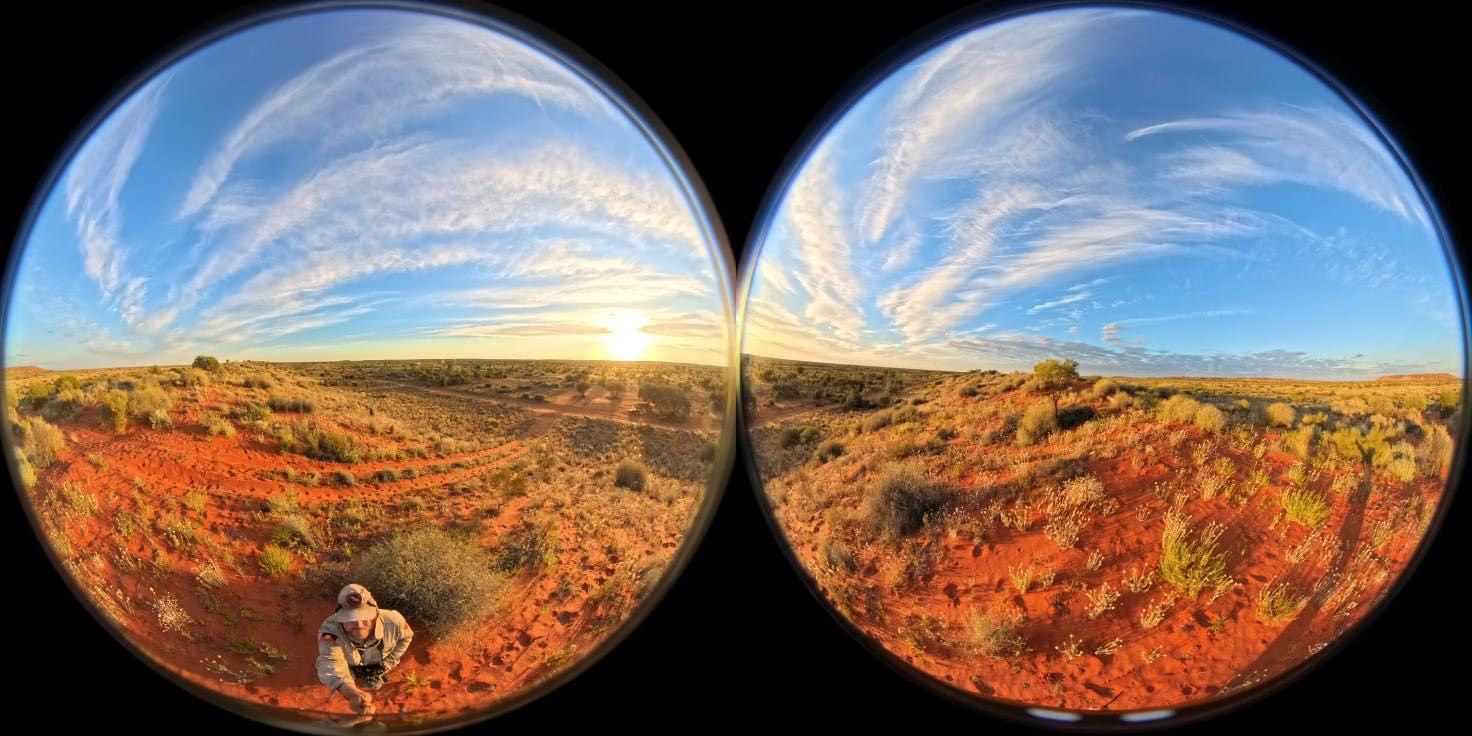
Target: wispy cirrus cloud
(1112, 333)
(955, 93)
(423, 172)
(1025, 165)
(93, 188)
(1136, 360)
(390, 78)
(824, 251)
(1316, 146)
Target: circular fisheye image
(1102, 365)
(370, 365)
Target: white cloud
(1314, 146)
(94, 184)
(972, 82)
(1112, 333)
(1060, 302)
(823, 251)
(383, 82)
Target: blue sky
(1145, 193)
(367, 184)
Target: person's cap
(355, 603)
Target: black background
(739, 640)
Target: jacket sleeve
(332, 666)
(391, 657)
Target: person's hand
(360, 701)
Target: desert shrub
(196, 501)
(256, 381)
(217, 425)
(1300, 441)
(669, 402)
(302, 404)
(1179, 408)
(530, 546)
(39, 393)
(253, 412)
(443, 579)
(1104, 387)
(1279, 414)
(829, 450)
(1435, 455)
(1305, 506)
(43, 443)
(877, 421)
(1122, 400)
(1191, 566)
(275, 560)
(630, 474)
(1037, 421)
(1073, 416)
(811, 435)
(902, 501)
(1449, 401)
(994, 635)
(115, 410)
(65, 405)
(387, 475)
(1278, 603)
(1369, 446)
(294, 530)
(283, 504)
(344, 478)
(206, 363)
(25, 471)
(1210, 419)
(1402, 464)
(328, 445)
(791, 437)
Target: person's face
(358, 629)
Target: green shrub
(445, 580)
(276, 561)
(43, 443)
(877, 421)
(1210, 419)
(1435, 455)
(995, 636)
(1038, 420)
(115, 410)
(1305, 506)
(630, 474)
(829, 450)
(902, 501)
(1279, 414)
(1179, 408)
(302, 404)
(1191, 566)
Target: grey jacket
(336, 650)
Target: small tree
(1053, 376)
(207, 363)
(615, 388)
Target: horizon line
(1115, 375)
(7, 367)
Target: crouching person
(358, 645)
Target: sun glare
(625, 340)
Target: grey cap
(355, 603)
